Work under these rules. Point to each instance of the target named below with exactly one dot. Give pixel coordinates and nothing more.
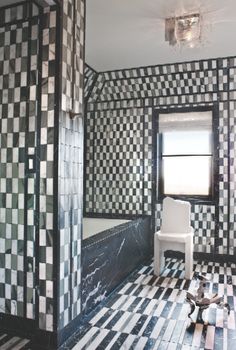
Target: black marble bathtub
(110, 256)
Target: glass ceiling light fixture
(183, 30)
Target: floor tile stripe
(151, 313)
(84, 341)
(98, 339)
(10, 343)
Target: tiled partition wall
(26, 183)
(120, 113)
(71, 162)
(41, 165)
(18, 143)
(46, 235)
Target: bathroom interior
(106, 108)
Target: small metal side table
(202, 301)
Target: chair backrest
(176, 216)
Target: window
(185, 147)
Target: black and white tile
(199, 83)
(174, 84)
(13, 142)
(18, 115)
(149, 312)
(70, 162)
(33, 131)
(9, 341)
(232, 190)
(115, 166)
(90, 76)
(46, 203)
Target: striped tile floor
(147, 312)
(9, 342)
(150, 313)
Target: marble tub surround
(110, 256)
(148, 312)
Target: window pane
(187, 142)
(187, 175)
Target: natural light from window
(187, 162)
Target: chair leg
(159, 260)
(188, 259)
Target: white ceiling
(130, 33)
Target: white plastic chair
(175, 234)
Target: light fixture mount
(183, 30)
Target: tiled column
(71, 162)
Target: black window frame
(158, 182)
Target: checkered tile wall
(70, 199)
(232, 174)
(71, 163)
(30, 175)
(15, 13)
(46, 202)
(90, 76)
(222, 244)
(97, 88)
(176, 85)
(117, 168)
(27, 144)
(13, 136)
(232, 156)
(181, 83)
(18, 140)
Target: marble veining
(110, 256)
(121, 246)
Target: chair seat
(173, 237)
